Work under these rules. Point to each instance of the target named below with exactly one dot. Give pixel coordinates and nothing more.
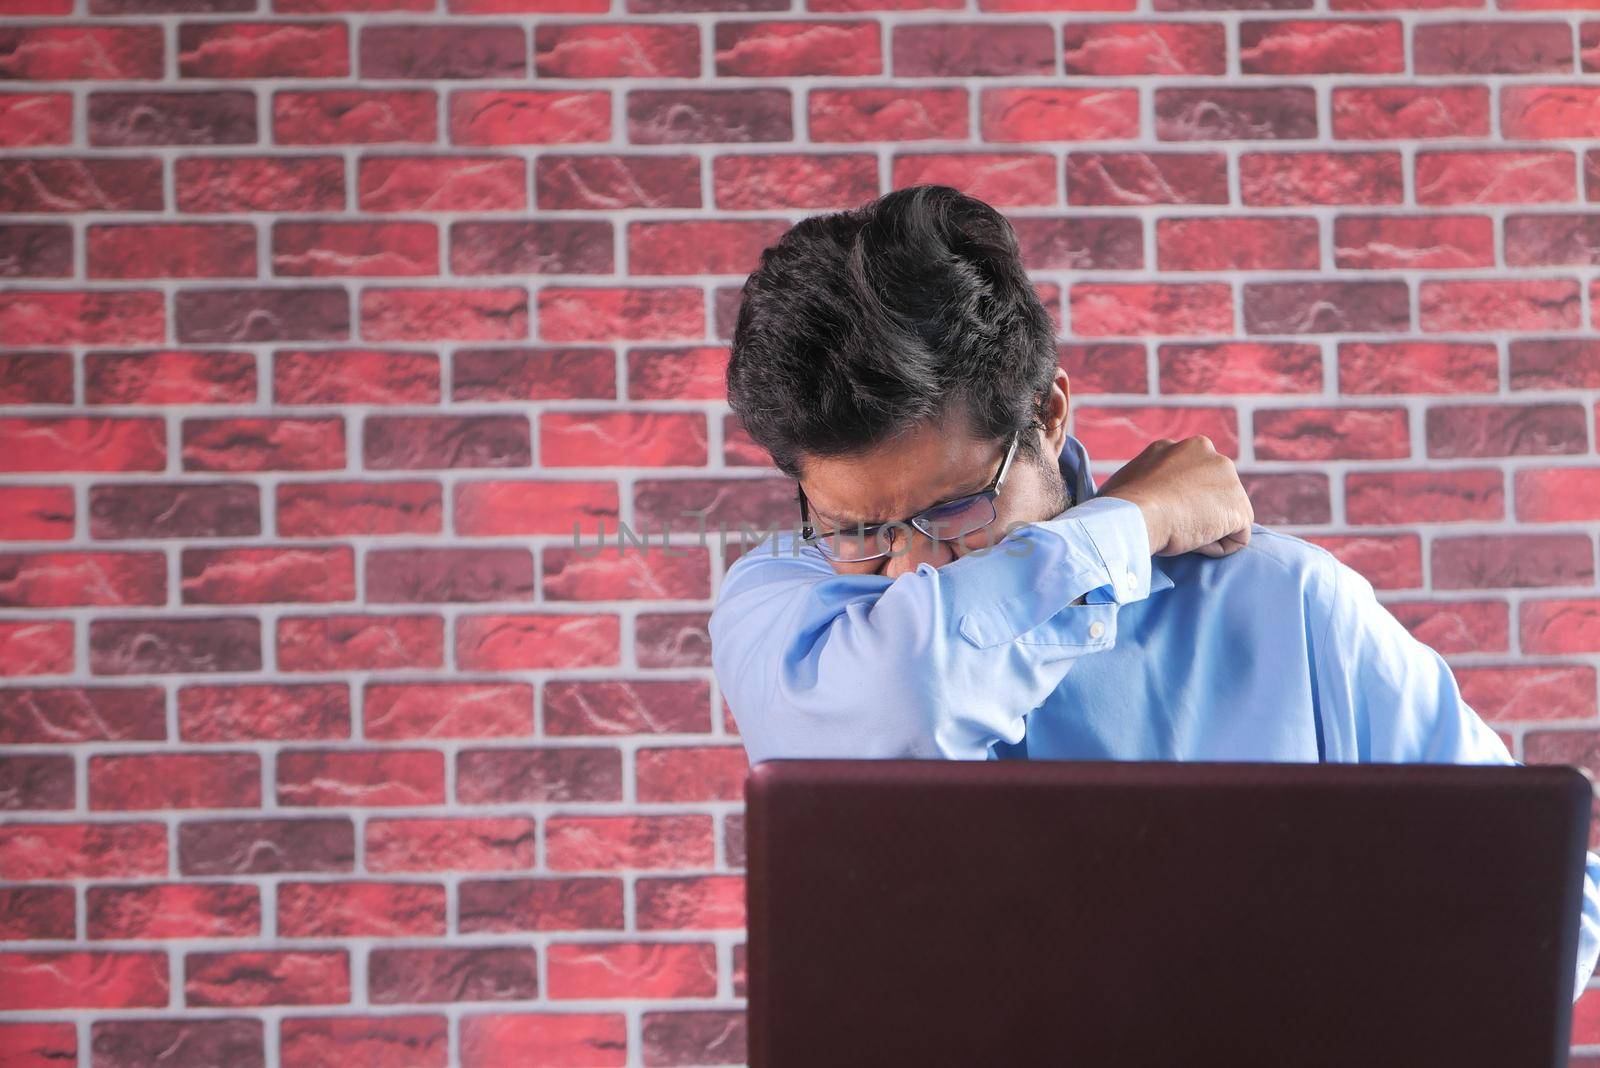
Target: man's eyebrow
(841, 522)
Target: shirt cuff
(1117, 530)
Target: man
(958, 587)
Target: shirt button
(1096, 629)
(1130, 580)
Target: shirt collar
(1074, 464)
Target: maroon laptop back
(1174, 914)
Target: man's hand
(1190, 495)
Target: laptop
(1023, 913)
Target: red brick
(393, 442)
(1487, 46)
(35, 251)
(68, 714)
(70, 185)
(1118, 49)
(691, 773)
(699, 1036)
(1321, 46)
(288, 977)
(1530, 692)
(36, 513)
(177, 645)
(37, 781)
(35, 647)
(1234, 114)
(1107, 178)
(1283, 179)
(1479, 430)
(54, 851)
(632, 970)
(702, 902)
(690, 373)
(1050, 114)
(81, 53)
(529, 117)
(174, 780)
(607, 843)
(1103, 309)
(214, 117)
(544, 904)
(506, 775)
(498, 643)
(353, 376)
(1552, 239)
(263, 50)
(265, 444)
(967, 49)
(629, 50)
(638, 313)
(1287, 242)
(459, 844)
(252, 712)
(444, 51)
(360, 910)
(354, 248)
(1388, 561)
(265, 846)
(769, 181)
(35, 378)
(64, 579)
(426, 314)
(174, 910)
(1326, 307)
(1374, 367)
(1399, 242)
(643, 706)
(1451, 627)
(491, 508)
(1495, 177)
(1549, 112)
(587, 575)
(442, 183)
(373, 1042)
(354, 116)
(209, 184)
(1404, 112)
(321, 509)
(39, 1045)
(537, 373)
(590, 182)
(1002, 179)
(1393, 498)
(65, 317)
(1240, 367)
(387, 778)
(1121, 433)
(649, 439)
(489, 1040)
(539, 247)
(173, 509)
(169, 376)
(1557, 494)
(695, 116)
(1533, 304)
(28, 119)
(483, 973)
(231, 316)
(401, 711)
(786, 49)
(1513, 561)
(268, 576)
(1561, 626)
(721, 246)
(900, 114)
(1112, 367)
(43, 981)
(357, 642)
(1312, 434)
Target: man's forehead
(893, 483)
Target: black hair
(859, 324)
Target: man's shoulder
(1273, 568)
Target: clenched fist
(1190, 495)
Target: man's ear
(1057, 400)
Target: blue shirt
(1277, 652)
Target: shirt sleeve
(1384, 696)
(940, 661)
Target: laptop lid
(1117, 913)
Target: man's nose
(913, 549)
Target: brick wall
(323, 323)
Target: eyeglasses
(945, 521)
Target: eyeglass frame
(991, 492)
